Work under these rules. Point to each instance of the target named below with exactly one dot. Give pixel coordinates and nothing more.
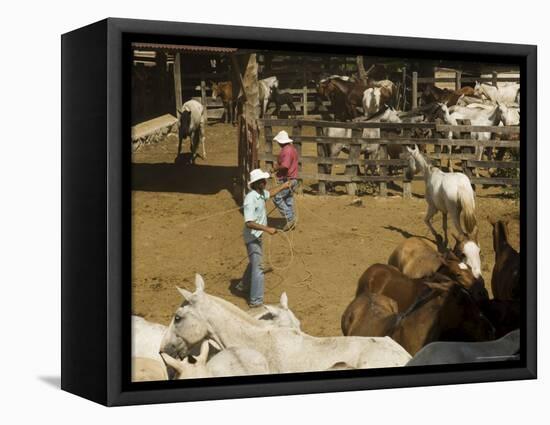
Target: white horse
(280, 315)
(232, 361)
(371, 101)
(481, 115)
(450, 193)
(368, 149)
(146, 338)
(203, 316)
(504, 93)
(265, 86)
(192, 123)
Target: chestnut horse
(433, 94)
(419, 258)
(224, 90)
(426, 311)
(505, 280)
(345, 96)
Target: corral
(186, 219)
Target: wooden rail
(385, 169)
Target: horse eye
(177, 319)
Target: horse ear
(284, 301)
(199, 283)
(185, 293)
(473, 236)
(172, 362)
(458, 238)
(416, 148)
(409, 149)
(270, 310)
(203, 355)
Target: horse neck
(495, 116)
(230, 322)
(424, 165)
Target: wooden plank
(428, 80)
(478, 128)
(500, 181)
(339, 124)
(340, 178)
(383, 186)
(458, 83)
(268, 157)
(408, 141)
(493, 164)
(339, 161)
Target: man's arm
(257, 226)
(275, 190)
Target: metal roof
(184, 48)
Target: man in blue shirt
(255, 218)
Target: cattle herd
(427, 305)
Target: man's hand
(271, 230)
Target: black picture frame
(96, 202)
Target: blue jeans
(284, 200)
(253, 277)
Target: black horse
(281, 99)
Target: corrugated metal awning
(184, 48)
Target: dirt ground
(334, 242)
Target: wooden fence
(463, 150)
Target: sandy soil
(333, 244)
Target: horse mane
(234, 310)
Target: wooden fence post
(304, 99)
(177, 83)
(203, 94)
(495, 78)
(383, 187)
(458, 83)
(353, 160)
(404, 88)
(321, 168)
(414, 100)
(297, 131)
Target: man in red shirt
(287, 170)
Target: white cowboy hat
(282, 138)
(256, 175)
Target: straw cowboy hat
(256, 175)
(282, 138)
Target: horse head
(412, 162)
(188, 327)
(214, 86)
(190, 366)
(460, 272)
(280, 315)
(467, 250)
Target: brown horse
(345, 96)
(504, 315)
(439, 312)
(224, 90)
(505, 281)
(433, 94)
(419, 258)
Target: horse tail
(467, 203)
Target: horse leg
(230, 111)
(444, 225)
(455, 217)
(430, 212)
